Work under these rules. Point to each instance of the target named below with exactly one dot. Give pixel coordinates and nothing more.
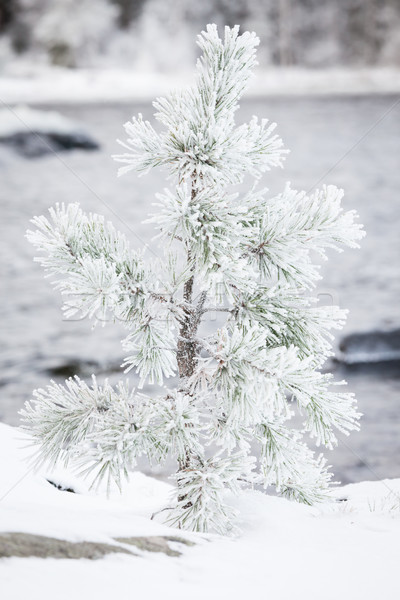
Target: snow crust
(346, 550)
(24, 82)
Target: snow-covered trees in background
(69, 32)
(156, 35)
(247, 257)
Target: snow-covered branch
(293, 225)
(100, 429)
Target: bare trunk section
(187, 347)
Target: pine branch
(293, 225)
(287, 463)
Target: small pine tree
(246, 257)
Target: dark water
(352, 142)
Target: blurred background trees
(308, 33)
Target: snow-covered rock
(32, 132)
(370, 347)
(347, 550)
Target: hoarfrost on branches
(249, 257)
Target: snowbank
(35, 84)
(347, 550)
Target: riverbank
(22, 82)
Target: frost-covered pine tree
(249, 258)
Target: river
(351, 142)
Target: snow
(23, 118)
(347, 550)
(35, 506)
(28, 83)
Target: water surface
(353, 143)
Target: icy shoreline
(346, 549)
(21, 82)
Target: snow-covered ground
(25, 82)
(347, 550)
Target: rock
(61, 487)
(33, 133)
(155, 544)
(370, 347)
(23, 545)
(70, 368)
(33, 144)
